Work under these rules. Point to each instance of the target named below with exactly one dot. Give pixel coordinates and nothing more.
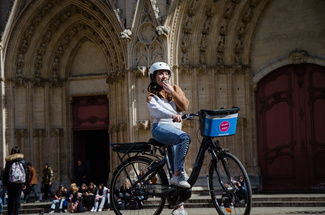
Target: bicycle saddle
(156, 143)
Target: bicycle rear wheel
(230, 194)
(141, 198)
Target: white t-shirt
(161, 110)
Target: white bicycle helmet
(158, 66)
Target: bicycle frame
(205, 145)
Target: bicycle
(145, 170)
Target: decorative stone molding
(155, 8)
(115, 77)
(185, 70)
(37, 81)
(126, 34)
(39, 133)
(55, 81)
(202, 71)
(56, 132)
(19, 81)
(220, 70)
(118, 128)
(21, 133)
(143, 125)
(295, 57)
(298, 56)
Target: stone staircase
(201, 200)
(268, 200)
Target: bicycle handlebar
(221, 111)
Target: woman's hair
(126, 184)
(154, 87)
(74, 187)
(59, 192)
(84, 186)
(93, 189)
(100, 189)
(15, 150)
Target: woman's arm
(179, 98)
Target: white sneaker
(179, 212)
(52, 211)
(185, 176)
(179, 182)
(99, 210)
(93, 210)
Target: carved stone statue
(126, 34)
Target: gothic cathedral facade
(74, 77)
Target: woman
(75, 198)
(60, 197)
(16, 158)
(92, 190)
(124, 195)
(84, 196)
(166, 103)
(100, 198)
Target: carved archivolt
(99, 31)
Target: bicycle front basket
(216, 123)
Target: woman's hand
(177, 118)
(167, 87)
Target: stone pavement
(255, 211)
(265, 204)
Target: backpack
(17, 173)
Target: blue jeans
(28, 190)
(178, 139)
(60, 202)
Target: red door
(290, 125)
(90, 136)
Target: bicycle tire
(147, 202)
(226, 194)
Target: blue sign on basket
(220, 125)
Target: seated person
(60, 197)
(125, 194)
(228, 196)
(92, 191)
(241, 193)
(84, 196)
(100, 198)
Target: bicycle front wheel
(229, 186)
(137, 197)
